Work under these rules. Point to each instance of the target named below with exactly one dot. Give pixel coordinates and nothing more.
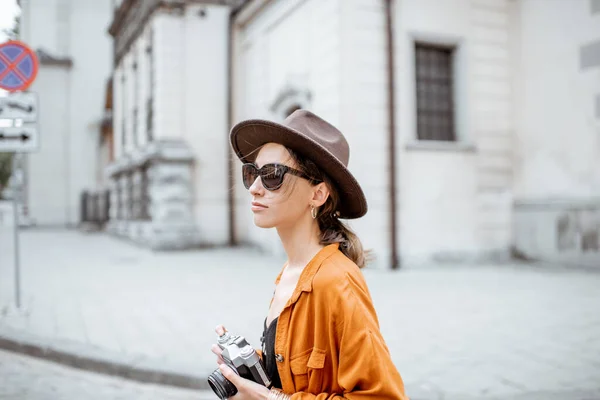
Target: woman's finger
(231, 376)
(220, 329)
(216, 349)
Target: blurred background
(474, 128)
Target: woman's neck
(301, 242)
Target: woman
(322, 337)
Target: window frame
(124, 111)
(434, 109)
(149, 53)
(463, 140)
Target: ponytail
(332, 229)
(335, 231)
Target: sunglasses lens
(249, 175)
(272, 177)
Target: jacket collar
(306, 277)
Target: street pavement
(511, 331)
(27, 378)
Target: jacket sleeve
(366, 370)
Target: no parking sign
(18, 66)
(18, 69)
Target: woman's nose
(257, 187)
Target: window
(435, 92)
(123, 111)
(136, 89)
(145, 194)
(291, 109)
(130, 196)
(150, 99)
(119, 198)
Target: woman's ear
(320, 194)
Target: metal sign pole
(16, 232)
(19, 64)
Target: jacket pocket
(315, 367)
(298, 365)
(307, 370)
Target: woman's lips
(256, 206)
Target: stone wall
(152, 196)
(563, 231)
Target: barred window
(435, 92)
(123, 111)
(130, 196)
(135, 96)
(145, 194)
(150, 98)
(119, 198)
(291, 109)
(124, 132)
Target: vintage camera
(243, 359)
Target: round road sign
(18, 66)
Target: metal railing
(95, 207)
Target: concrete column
(171, 196)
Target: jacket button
(279, 357)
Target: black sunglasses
(271, 175)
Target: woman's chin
(262, 222)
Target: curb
(132, 368)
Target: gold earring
(313, 212)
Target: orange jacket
(328, 344)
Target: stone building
(474, 125)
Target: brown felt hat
(313, 138)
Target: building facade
(169, 180)
(74, 52)
(557, 136)
(473, 124)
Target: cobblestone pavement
(26, 378)
(511, 331)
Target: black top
(268, 348)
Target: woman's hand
(220, 329)
(247, 389)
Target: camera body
(243, 359)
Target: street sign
(19, 105)
(18, 66)
(18, 69)
(19, 139)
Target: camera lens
(221, 386)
